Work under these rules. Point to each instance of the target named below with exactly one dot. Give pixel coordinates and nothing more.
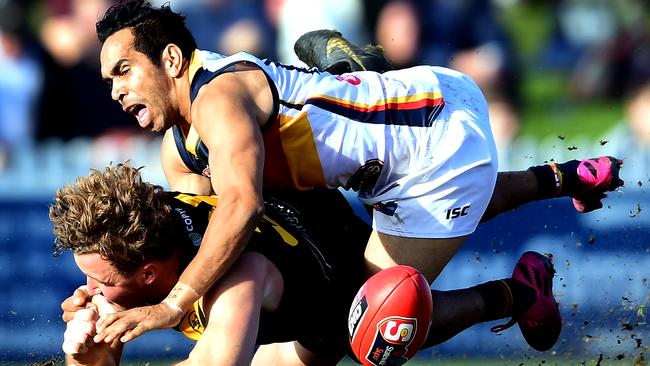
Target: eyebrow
(114, 70)
(106, 282)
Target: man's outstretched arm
(512, 190)
(224, 116)
(586, 182)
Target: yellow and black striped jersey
(316, 242)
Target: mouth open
(141, 113)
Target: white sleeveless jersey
(328, 127)
(388, 136)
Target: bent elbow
(258, 209)
(254, 206)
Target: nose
(118, 92)
(93, 286)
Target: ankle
(505, 298)
(523, 297)
(497, 299)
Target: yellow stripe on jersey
(300, 150)
(192, 141)
(195, 201)
(196, 62)
(404, 102)
(288, 238)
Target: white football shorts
(445, 193)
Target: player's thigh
(276, 354)
(429, 256)
(291, 354)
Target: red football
(390, 316)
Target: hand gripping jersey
(405, 140)
(321, 262)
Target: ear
(172, 60)
(149, 273)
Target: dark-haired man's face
(142, 88)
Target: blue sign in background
(602, 261)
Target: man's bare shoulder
(242, 91)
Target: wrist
(554, 180)
(181, 297)
(549, 183)
(173, 306)
(570, 178)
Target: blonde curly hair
(116, 214)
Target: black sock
(504, 298)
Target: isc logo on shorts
(398, 330)
(456, 212)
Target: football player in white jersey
(415, 145)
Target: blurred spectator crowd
(57, 118)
